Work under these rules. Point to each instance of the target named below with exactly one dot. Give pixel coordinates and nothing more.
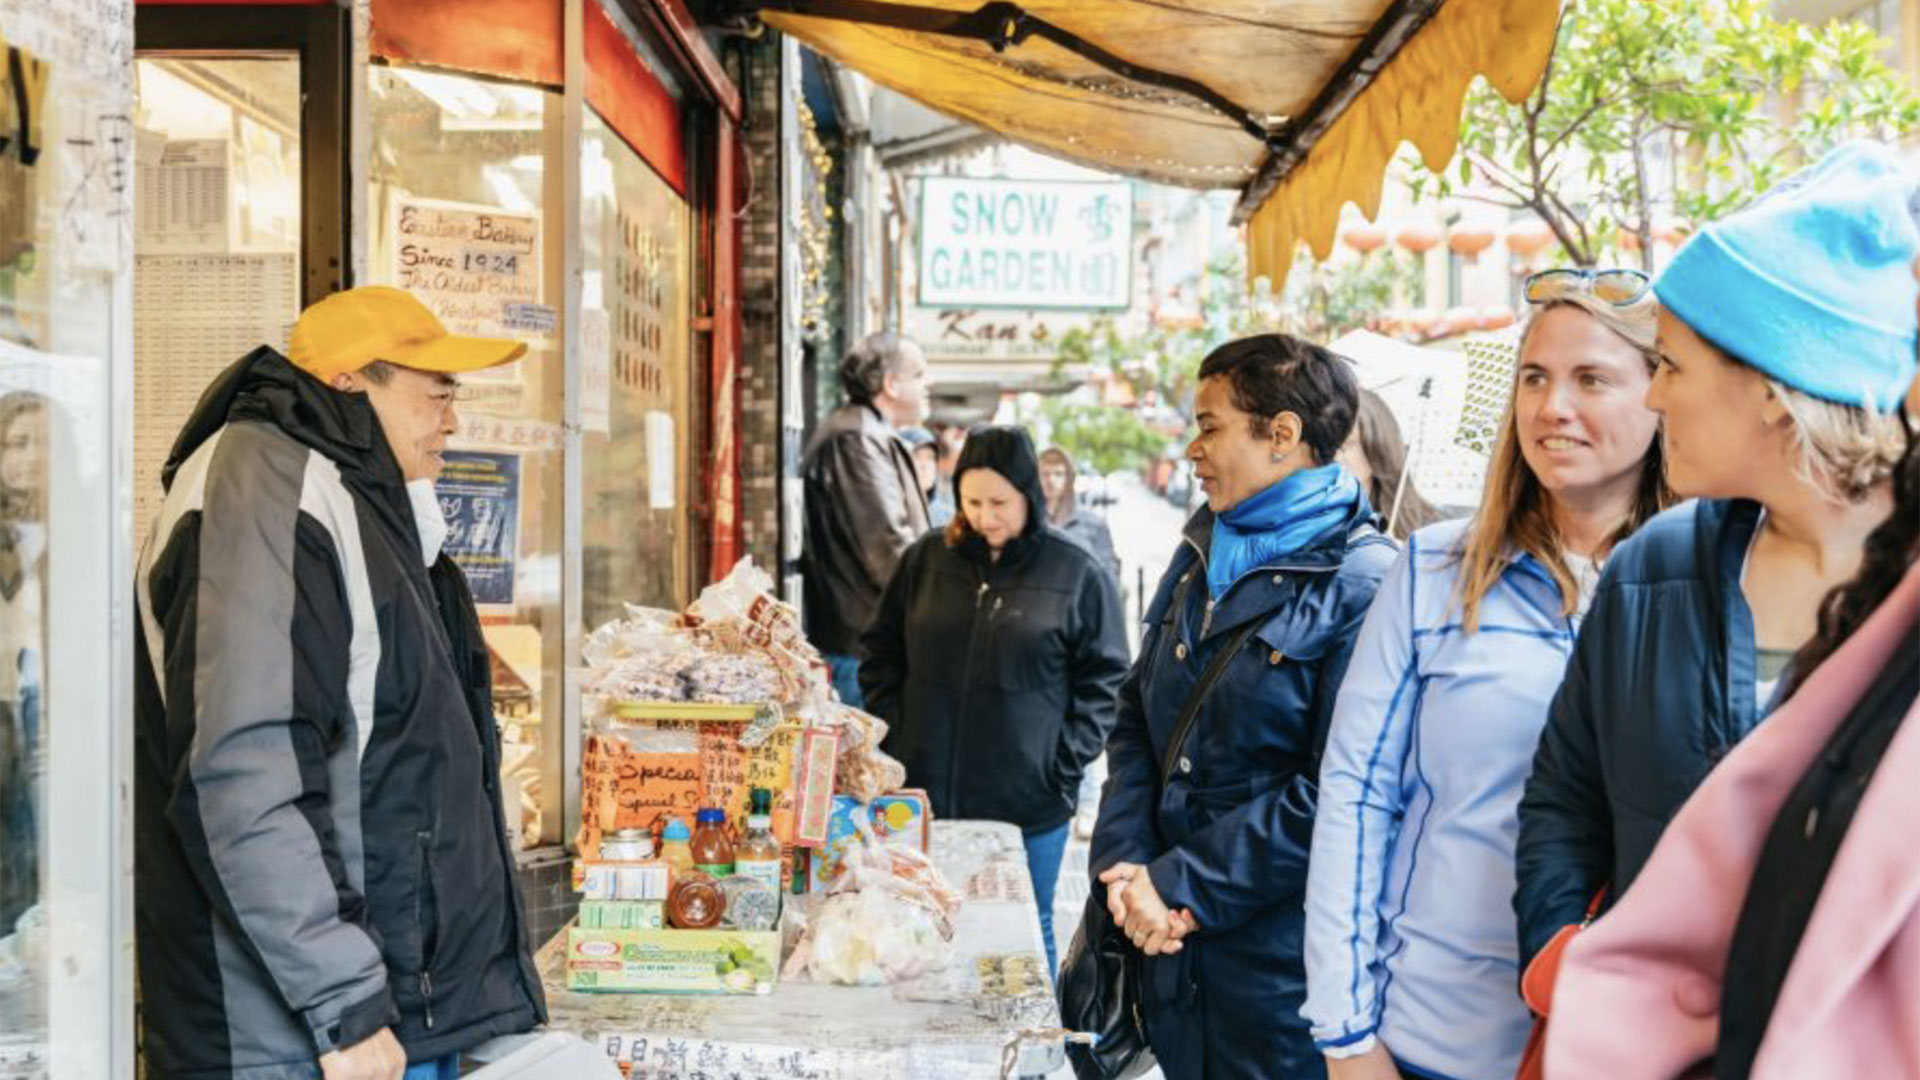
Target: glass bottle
(712, 847)
(675, 849)
(758, 856)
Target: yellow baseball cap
(351, 329)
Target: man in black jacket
(864, 504)
(324, 879)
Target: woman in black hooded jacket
(997, 656)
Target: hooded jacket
(997, 678)
(320, 841)
(864, 506)
(1227, 835)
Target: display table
(954, 1024)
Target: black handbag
(1100, 978)
(1099, 992)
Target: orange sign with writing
(627, 790)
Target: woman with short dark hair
(1201, 846)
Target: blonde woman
(1778, 373)
(1411, 961)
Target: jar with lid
(696, 903)
(627, 845)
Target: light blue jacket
(1410, 924)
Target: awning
(1300, 104)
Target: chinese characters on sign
(1025, 243)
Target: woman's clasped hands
(1141, 914)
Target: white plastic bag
(874, 936)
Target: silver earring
(1276, 458)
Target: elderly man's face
(909, 387)
(416, 410)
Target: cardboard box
(901, 818)
(623, 915)
(621, 880)
(672, 961)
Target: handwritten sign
(732, 771)
(623, 789)
(485, 429)
(477, 267)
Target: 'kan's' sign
(1025, 243)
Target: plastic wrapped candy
(733, 679)
(863, 770)
(750, 904)
(643, 657)
(906, 872)
(888, 918)
(871, 937)
(739, 614)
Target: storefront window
(457, 217)
(635, 382)
(63, 248)
(216, 235)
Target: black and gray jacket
(320, 842)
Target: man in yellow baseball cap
(383, 342)
(314, 723)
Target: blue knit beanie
(1813, 284)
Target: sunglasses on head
(1618, 287)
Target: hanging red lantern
(1496, 316)
(1419, 237)
(1469, 239)
(1529, 238)
(1364, 237)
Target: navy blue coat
(1659, 688)
(1228, 836)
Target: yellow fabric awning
(1182, 91)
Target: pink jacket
(1638, 996)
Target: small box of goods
(903, 817)
(717, 765)
(672, 961)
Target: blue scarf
(1277, 522)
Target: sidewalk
(1146, 529)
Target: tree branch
(1585, 115)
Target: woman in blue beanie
(1202, 841)
(1776, 931)
(1787, 337)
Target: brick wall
(546, 890)
(759, 432)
